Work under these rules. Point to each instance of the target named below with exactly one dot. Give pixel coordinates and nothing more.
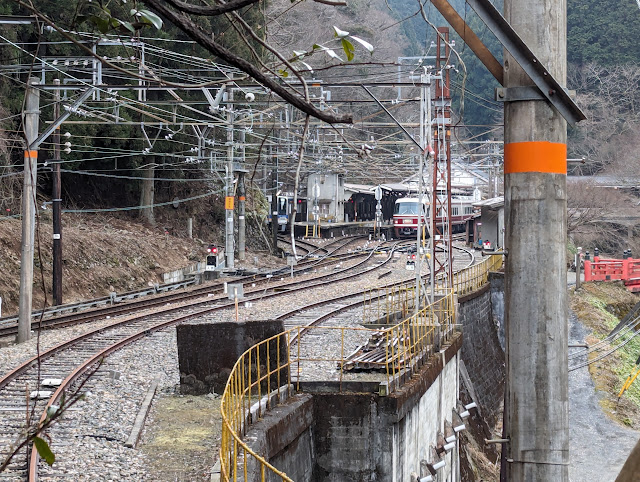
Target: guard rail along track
(261, 378)
(135, 301)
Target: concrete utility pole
(274, 211)
(242, 226)
(242, 202)
(57, 195)
(229, 195)
(536, 399)
(31, 118)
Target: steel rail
(92, 360)
(238, 444)
(146, 303)
(32, 363)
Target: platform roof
(492, 203)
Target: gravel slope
(598, 447)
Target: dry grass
(184, 440)
(100, 254)
(600, 306)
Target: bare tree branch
(210, 10)
(249, 30)
(213, 10)
(102, 60)
(329, 2)
(188, 26)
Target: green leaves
(44, 451)
(330, 52)
(106, 22)
(346, 44)
(148, 17)
(339, 33)
(126, 25)
(364, 43)
(101, 23)
(348, 48)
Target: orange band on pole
(538, 156)
(30, 154)
(242, 198)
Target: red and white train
(405, 215)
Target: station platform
(333, 230)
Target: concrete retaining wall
(208, 352)
(417, 432)
(182, 273)
(357, 435)
(284, 437)
(482, 353)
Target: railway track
(134, 300)
(71, 361)
(9, 326)
(342, 311)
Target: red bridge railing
(601, 269)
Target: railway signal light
(411, 262)
(212, 262)
(212, 258)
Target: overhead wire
(621, 338)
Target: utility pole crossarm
(470, 38)
(56, 123)
(551, 89)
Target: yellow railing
(262, 376)
(475, 277)
(388, 304)
(270, 372)
(415, 339)
(261, 373)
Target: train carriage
(284, 205)
(405, 215)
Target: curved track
(73, 360)
(70, 361)
(208, 290)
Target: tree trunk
(146, 194)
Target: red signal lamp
(212, 250)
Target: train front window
(282, 205)
(406, 208)
(409, 209)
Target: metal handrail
(383, 305)
(261, 378)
